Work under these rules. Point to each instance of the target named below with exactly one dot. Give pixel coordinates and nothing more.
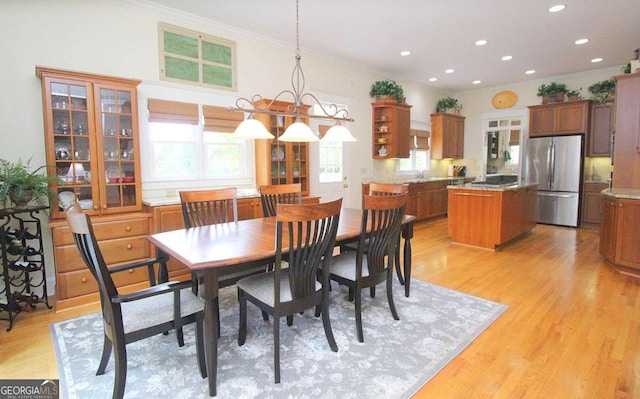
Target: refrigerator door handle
(541, 194)
(552, 164)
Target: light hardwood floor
(572, 329)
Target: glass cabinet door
(117, 140)
(70, 127)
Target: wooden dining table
(215, 250)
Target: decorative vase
(20, 199)
(553, 98)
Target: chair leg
(326, 323)
(180, 336)
(217, 310)
(398, 265)
(107, 346)
(242, 328)
(392, 305)
(290, 320)
(358, 303)
(202, 365)
(372, 291)
(120, 379)
(276, 348)
(265, 316)
(351, 294)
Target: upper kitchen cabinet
(447, 136)
(599, 136)
(280, 162)
(626, 153)
(91, 136)
(559, 118)
(391, 130)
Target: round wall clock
(504, 99)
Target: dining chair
(273, 194)
(307, 234)
(372, 263)
(134, 316)
(385, 189)
(209, 207)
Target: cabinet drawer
(67, 257)
(81, 282)
(105, 230)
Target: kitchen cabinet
(391, 123)
(559, 118)
(427, 200)
(447, 136)
(619, 233)
(169, 217)
(592, 203)
(280, 162)
(626, 154)
(92, 145)
(599, 136)
(490, 218)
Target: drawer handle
(128, 228)
(474, 195)
(83, 280)
(129, 246)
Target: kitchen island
(620, 229)
(491, 215)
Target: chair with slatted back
(134, 316)
(372, 263)
(273, 194)
(208, 207)
(309, 233)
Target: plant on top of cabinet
(603, 90)
(574, 95)
(552, 92)
(387, 88)
(449, 105)
(21, 184)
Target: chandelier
(297, 131)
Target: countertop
(408, 180)
(162, 201)
(627, 193)
(492, 187)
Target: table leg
(210, 282)
(407, 234)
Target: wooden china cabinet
(391, 123)
(279, 162)
(91, 138)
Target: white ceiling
(441, 34)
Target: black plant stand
(24, 282)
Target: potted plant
(448, 105)
(552, 92)
(574, 95)
(22, 185)
(387, 88)
(603, 90)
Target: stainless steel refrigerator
(555, 163)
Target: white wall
(119, 38)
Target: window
(331, 168)
(502, 140)
(194, 58)
(419, 155)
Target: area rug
(395, 360)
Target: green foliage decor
(16, 178)
(551, 88)
(387, 88)
(600, 91)
(448, 103)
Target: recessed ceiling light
(598, 59)
(507, 58)
(582, 41)
(530, 72)
(432, 79)
(448, 70)
(557, 8)
(405, 53)
(476, 82)
(481, 42)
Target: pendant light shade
(251, 128)
(298, 132)
(338, 133)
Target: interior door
(333, 185)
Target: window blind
(220, 119)
(172, 112)
(421, 139)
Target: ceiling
(441, 34)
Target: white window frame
(407, 166)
